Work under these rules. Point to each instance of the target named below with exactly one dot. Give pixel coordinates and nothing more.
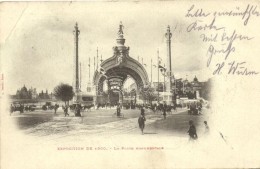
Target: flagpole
(89, 70)
(80, 75)
(94, 64)
(158, 73)
(151, 71)
(164, 79)
(97, 59)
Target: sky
(37, 46)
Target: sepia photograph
(133, 84)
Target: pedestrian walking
(55, 108)
(164, 111)
(66, 110)
(118, 110)
(174, 107)
(77, 110)
(192, 131)
(141, 120)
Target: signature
(234, 68)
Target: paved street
(104, 122)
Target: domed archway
(116, 69)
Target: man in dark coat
(77, 110)
(192, 131)
(164, 110)
(141, 120)
(66, 110)
(55, 108)
(118, 110)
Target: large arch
(120, 65)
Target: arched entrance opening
(129, 93)
(117, 69)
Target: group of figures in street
(192, 132)
(77, 108)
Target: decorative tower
(76, 32)
(120, 51)
(168, 36)
(76, 84)
(168, 94)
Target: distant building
(31, 94)
(182, 88)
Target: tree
(148, 94)
(63, 92)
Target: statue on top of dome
(121, 27)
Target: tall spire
(168, 36)
(97, 59)
(76, 32)
(94, 64)
(89, 69)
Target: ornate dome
(195, 79)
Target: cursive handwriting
(222, 44)
(196, 13)
(211, 38)
(251, 10)
(212, 51)
(195, 26)
(240, 69)
(234, 68)
(234, 37)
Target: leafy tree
(63, 92)
(148, 94)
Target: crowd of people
(193, 108)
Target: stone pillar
(76, 61)
(77, 97)
(168, 93)
(168, 36)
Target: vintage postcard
(130, 85)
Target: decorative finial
(168, 34)
(76, 29)
(121, 27)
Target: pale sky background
(38, 43)
(37, 49)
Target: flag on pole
(162, 69)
